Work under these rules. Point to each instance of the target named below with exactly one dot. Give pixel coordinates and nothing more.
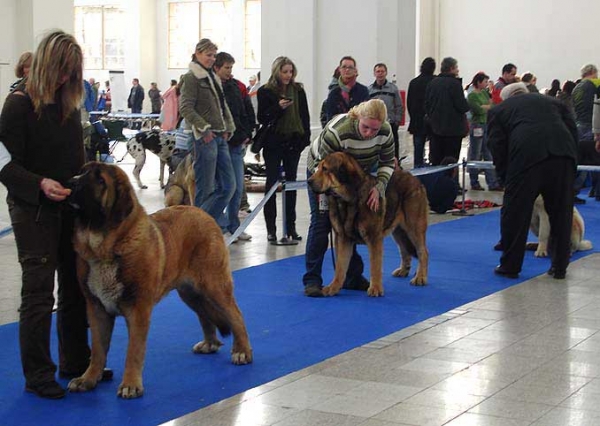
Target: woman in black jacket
(282, 101)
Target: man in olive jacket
(446, 106)
(533, 139)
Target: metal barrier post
(463, 211)
(285, 240)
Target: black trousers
(443, 146)
(278, 158)
(43, 235)
(395, 127)
(552, 178)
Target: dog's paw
(330, 290)
(375, 291)
(401, 272)
(418, 281)
(541, 253)
(205, 347)
(130, 391)
(241, 358)
(81, 384)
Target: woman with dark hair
(479, 103)
(565, 95)
(415, 103)
(282, 101)
(41, 148)
(554, 88)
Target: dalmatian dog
(159, 142)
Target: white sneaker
(244, 237)
(227, 235)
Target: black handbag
(260, 138)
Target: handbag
(260, 138)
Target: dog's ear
(123, 203)
(343, 174)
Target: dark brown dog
(403, 212)
(129, 260)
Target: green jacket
(200, 103)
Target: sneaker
(49, 390)
(244, 237)
(242, 214)
(477, 187)
(498, 188)
(227, 235)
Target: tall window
(207, 19)
(252, 34)
(100, 30)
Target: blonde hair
(374, 109)
(24, 60)
(279, 62)
(57, 56)
(203, 45)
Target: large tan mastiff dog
(129, 260)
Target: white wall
(552, 39)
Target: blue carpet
(287, 330)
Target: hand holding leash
(373, 201)
(53, 190)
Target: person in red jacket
(509, 75)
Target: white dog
(540, 226)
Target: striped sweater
(342, 134)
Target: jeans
(215, 180)
(230, 220)
(419, 152)
(479, 150)
(317, 243)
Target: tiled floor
(528, 355)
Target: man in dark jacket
(348, 92)
(244, 123)
(446, 106)
(533, 139)
(135, 100)
(415, 103)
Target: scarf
(290, 123)
(346, 88)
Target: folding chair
(115, 132)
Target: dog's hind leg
(196, 302)
(343, 249)
(402, 240)
(161, 177)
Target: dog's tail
(402, 238)
(584, 245)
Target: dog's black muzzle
(76, 187)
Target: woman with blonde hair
(41, 148)
(364, 133)
(282, 102)
(22, 69)
(202, 104)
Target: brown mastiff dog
(403, 212)
(129, 260)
